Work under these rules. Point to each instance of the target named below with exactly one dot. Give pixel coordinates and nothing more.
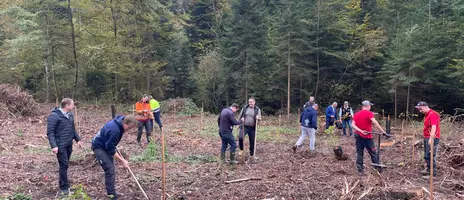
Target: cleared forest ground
(193, 172)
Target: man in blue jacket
(226, 123)
(330, 115)
(308, 120)
(104, 146)
(61, 133)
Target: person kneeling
(104, 146)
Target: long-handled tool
(143, 191)
(378, 148)
(256, 134)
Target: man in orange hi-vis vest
(144, 115)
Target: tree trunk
(115, 32)
(317, 48)
(47, 77)
(396, 101)
(148, 82)
(288, 63)
(246, 75)
(73, 38)
(46, 66)
(407, 97)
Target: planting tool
(143, 191)
(378, 148)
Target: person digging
(249, 115)
(431, 134)
(61, 132)
(104, 146)
(308, 120)
(226, 123)
(362, 124)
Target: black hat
(421, 103)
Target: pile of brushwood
(14, 101)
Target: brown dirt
(27, 164)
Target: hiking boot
(361, 173)
(252, 159)
(223, 156)
(65, 193)
(112, 197)
(241, 155)
(294, 148)
(425, 172)
(232, 158)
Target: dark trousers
(369, 145)
(106, 161)
(251, 136)
(148, 128)
(227, 138)
(64, 153)
(329, 121)
(427, 153)
(157, 120)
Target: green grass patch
(153, 154)
(193, 159)
(17, 196)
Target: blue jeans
(344, 124)
(427, 153)
(157, 120)
(227, 138)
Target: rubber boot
(223, 156)
(232, 158)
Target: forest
(217, 52)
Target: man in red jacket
(431, 134)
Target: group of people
(61, 132)
(362, 123)
(147, 110)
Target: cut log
(387, 144)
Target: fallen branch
(351, 190)
(365, 193)
(243, 179)
(426, 191)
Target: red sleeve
(434, 119)
(371, 115)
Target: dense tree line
(392, 52)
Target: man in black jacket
(61, 132)
(249, 115)
(104, 146)
(226, 123)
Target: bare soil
(27, 164)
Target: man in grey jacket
(249, 115)
(61, 132)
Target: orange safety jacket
(143, 111)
